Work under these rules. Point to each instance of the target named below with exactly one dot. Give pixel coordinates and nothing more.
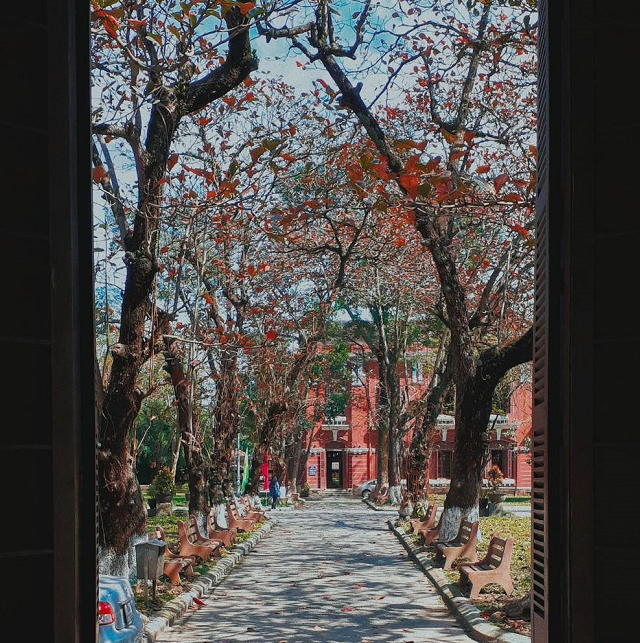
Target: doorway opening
(335, 469)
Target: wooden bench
(192, 543)
(464, 545)
(174, 564)
(495, 567)
(427, 521)
(215, 531)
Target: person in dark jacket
(274, 491)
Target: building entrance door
(334, 469)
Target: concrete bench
(427, 521)
(192, 543)
(495, 567)
(464, 545)
(216, 532)
(174, 564)
(429, 535)
(381, 496)
(236, 521)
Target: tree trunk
(265, 436)
(422, 441)
(473, 412)
(121, 512)
(382, 450)
(417, 468)
(189, 426)
(296, 454)
(395, 430)
(226, 416)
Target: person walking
(274, 490)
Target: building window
(444, 464)
(357, 374)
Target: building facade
(343, 448)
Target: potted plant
(163, 486)
(305, 490)
(495, 478)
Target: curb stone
(176, 607)
(459, 605)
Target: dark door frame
(331, 456)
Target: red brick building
(343, 449)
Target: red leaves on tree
(98, 174)
(171, 161)
(411, 184)
(519, 229)
(432, 164)
(499, 181)
(209, 176)
(257, 152)
(512, 197)
(136, 24)
(108, 21)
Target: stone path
(331, 572)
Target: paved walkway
(331, 572)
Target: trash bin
(150, 559)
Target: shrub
(163, 483)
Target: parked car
(364, 488)
(118, 619)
